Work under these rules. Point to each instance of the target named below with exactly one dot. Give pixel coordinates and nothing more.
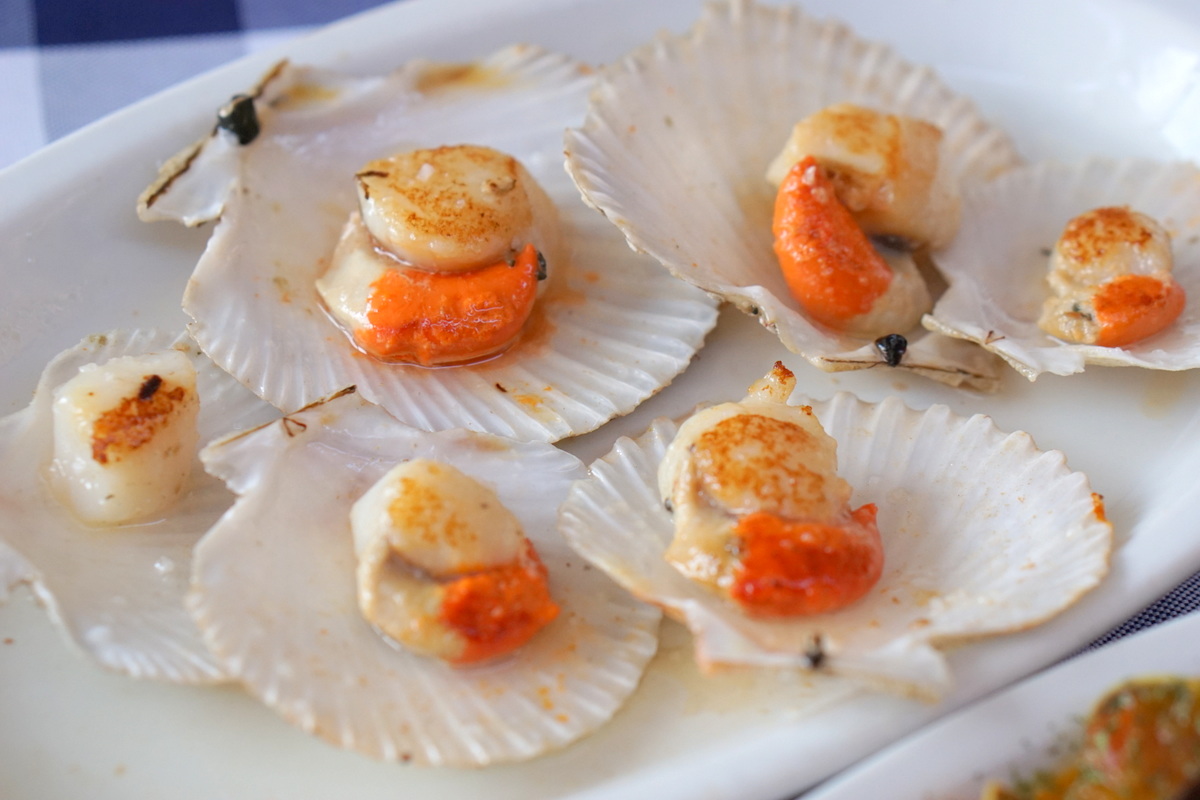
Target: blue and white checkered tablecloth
(65, 63)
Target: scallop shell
(983, 534)
(679, 134)
(118, 592)
(274, 591)
(612, 330)
(996, 267)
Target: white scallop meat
(996, 267)
(679, 135)
(274, 590)
(117, 592)
(612, 329)
(983, 534)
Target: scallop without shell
(611, 330)
(996, 267)
(275, 592)
(679, 135)
(117, 592)
(983, 534)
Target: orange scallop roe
(792, 568)
(1130, 308)
(498, 610)
(830, 266)
(432, 318)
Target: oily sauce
(1141, 742)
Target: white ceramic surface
(76, 260)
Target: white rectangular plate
(1017, 732)
(74, 260)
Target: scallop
(299, 642)
(611, 330)
(117, 591)
(982, 534)
(679, 136)
(997, 267)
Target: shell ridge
(589, 389)
(551, 413)
(14, 569)
(584, 403)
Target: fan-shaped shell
(983, 534)
(679, 134)
(275, 592)
(996, 267)
(611, 330)
(117, 592)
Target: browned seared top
(470, 198)
(753, 462)
(421, 510)
(136, 420)
(1090, 236)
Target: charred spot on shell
(892, 347)
(149, 387)
(669, 506)
(815, 653)
(293, 427)
(541, 272)
(239, 117)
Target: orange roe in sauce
(431, 318)
(791, 568)
(1130, 308)
(498, 610)
(831, 267)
